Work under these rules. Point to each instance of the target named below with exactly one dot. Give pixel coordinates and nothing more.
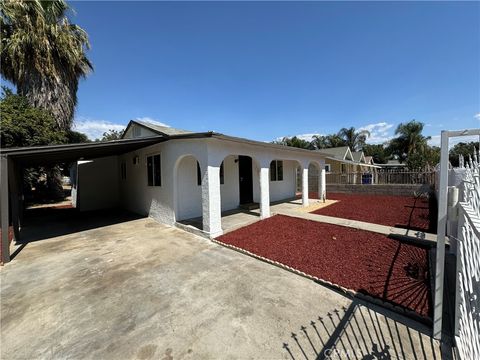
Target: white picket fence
(467, 310)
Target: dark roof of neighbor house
(162, 130)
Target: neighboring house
(187, 175)
(346, 167)
(338, 159)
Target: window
(276, 170)
(222, 174)
(123, 170)
(154, 172)
(344, 168)
(199, 175)
(137, 131)
(327, 168)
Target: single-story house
(346, 167)
(168, 174)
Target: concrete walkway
(294, 208)
(137, 289)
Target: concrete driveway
(141, 290)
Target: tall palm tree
(409, 140)
(43, 54)
(354, 139)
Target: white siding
(97, 186)
(189, 192)
(230, 189)
(142, 132)
(285, 189)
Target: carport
(13, 160)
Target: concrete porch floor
(137, 289)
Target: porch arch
(187, 188)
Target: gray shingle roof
(336, 152)
(167, 130)
(357, 155)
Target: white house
(186, 175)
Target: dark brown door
(246, 179)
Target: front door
(246, 179)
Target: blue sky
(262, 70)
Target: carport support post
(211, 203)
(305, 186)
(4, 209)
(264, 192)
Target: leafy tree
(23, 125)
(43, 54)
(295, 142)
(462, 148)
(378, 151)
(75, 137)
(409, 140)
(354, 139)
(327, 141)
(111, 135)
(430, 156)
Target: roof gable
(151, 129)
(341, 152)
(359, 156)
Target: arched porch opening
(188, 190)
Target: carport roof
(34, 155)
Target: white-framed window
(123, 170)
(328, 168)
(137, 131)
(154, 170)
(276, 170)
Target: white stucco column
(305, 186)
(211, 201)
(264, 192)
(322, 185)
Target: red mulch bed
(359, 260)
(398, 211)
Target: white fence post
(442, 222)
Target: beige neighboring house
(347, 167)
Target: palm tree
(43, 54)
(409, 140)
(354, 139)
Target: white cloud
(151, 121)
(379, 132)
(307, 137)
(477, 116)
(94, 129)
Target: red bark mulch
(398, 211)
(359, 260)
